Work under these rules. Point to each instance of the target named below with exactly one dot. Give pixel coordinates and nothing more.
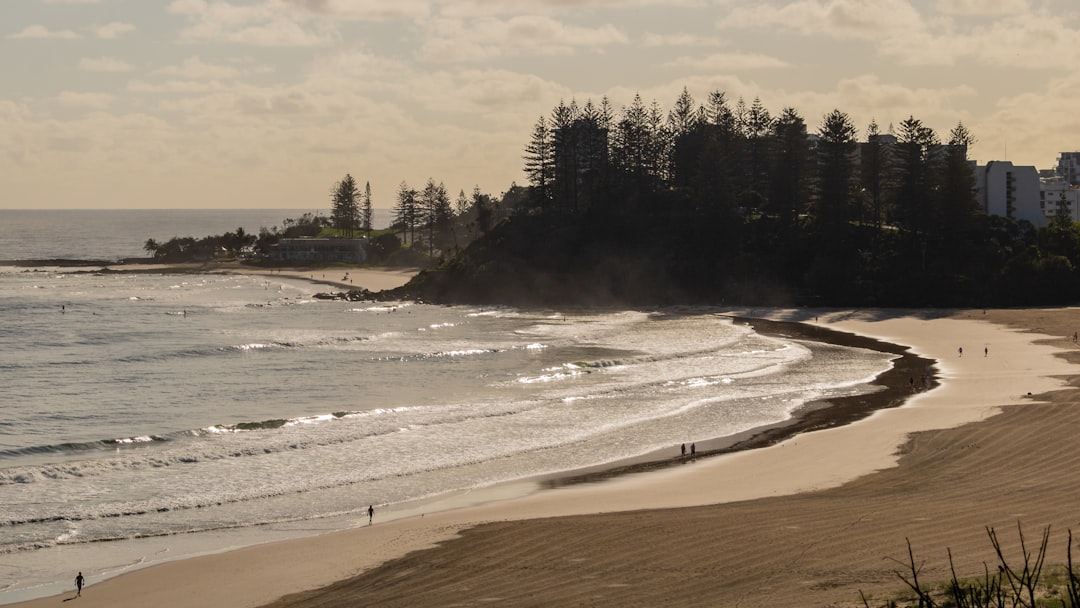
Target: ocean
(150, 417)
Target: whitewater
(148, 417)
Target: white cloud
(194, 68)
(662, 40)
(113, 30)
(366, 10)
(982, 7)
(456, 40)
(729, 62)
(186, 87)
(104, 64)
(85, 100)
(270, 23)
(843, 19)
(489, 8)
(71, 1)
(1034, 40)
(1012, 35)
(40, 32)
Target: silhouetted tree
(788, 176)
(366, 211)
(407, 212)
(836, 167)
(540, 162)
(874, 172)
(345, 212)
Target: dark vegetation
(724, 202)
(714, 203)
(1016, 583)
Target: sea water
(147, 417)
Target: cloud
(271, 23)
(104, 64)
(71, 1)
(490, 8)
(113, 30)
(98, 101)
(194, 68)
(728, 62)
(663, 40)
(1044, 120)
(1025, 40)
(1011, 34)
(366, 10)
(457, 40)
(40, 32)
(843, 19)
(982, 8)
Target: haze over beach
(265, 103)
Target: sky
(269, 103)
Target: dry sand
(807, 522)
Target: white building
(1005, 189)
(1057, 193)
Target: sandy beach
(338, 278)
(810, 521)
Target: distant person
(370, 514)
(693, 449)
(961, 351)
(683, 448)
(986, 351)
(78, 585)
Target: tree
(540, 161)
(915, 145)
(484, 208)
(757, 125)
(437, 214)
(151, 247)
(407, 212)
(461, 205)
(874, 175)
(957, 188)
(788, 192)
(345, 212)
(366, 212)
(686, 125)
(836, 170)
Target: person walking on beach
(370, 514)
(961, 351)
(78, 585)
(693, 449)
(683, 448)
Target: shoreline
(781, 483)
(811, 416)
(815, 520)
(891, 388)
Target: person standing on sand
(683, 448)
(370, 514)
(693, 449)
(78, 585)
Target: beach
(811, 520)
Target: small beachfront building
(311, 249)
